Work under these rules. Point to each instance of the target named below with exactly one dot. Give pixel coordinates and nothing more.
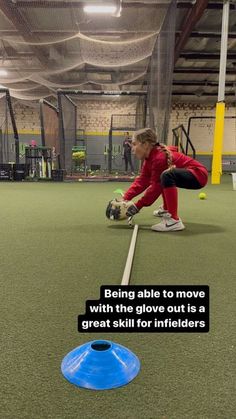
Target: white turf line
(129, 261)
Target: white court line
(129, 261)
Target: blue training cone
(100, 365)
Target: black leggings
(128, 160)
(181, 178)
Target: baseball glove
(117, 209)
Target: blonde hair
(147, 135)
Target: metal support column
(220, 106)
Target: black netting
(123, 126)
(50, 128)
(160, 76)
(126, 122)
(68, 131)
(8, 132)
(141, 113)
(4, 131)
(59, 46)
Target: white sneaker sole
(163, 227)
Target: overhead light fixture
(3, 72)
(112, 8)
(100, 9)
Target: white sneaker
(159, 212)
(168, 224)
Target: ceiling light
(112, 8)
(3, 72)
(100, 9)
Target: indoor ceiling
(196, 71)
(53, 44)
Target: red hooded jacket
(153, 166)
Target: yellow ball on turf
(202, 195)
(80, 180)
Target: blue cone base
(100, 365)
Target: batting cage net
(92, 137)
(49, 120)
(121, 130)
(141, 113)
(68, 130)
(70, 50)
(160, 76)
(9, 139)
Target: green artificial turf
(57, 249)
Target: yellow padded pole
(216, 168)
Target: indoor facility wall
(94, 118)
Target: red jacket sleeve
(140, 183)
(149, 180)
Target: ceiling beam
(145, 83)
(191, 18)
(55, 4)
(64, 32)
(211, 5)
(12, 13)
(78, 82)
(78, 4)
(206, 55)
(203, 70)
(29, 70)
(52, 4)
(97, 70)
(201, 34)
(201, 94)
(201, 83)
(100, 92)
(87, 70)
(67, 32)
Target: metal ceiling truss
(10, 10)
(206, 34)
(214, 5)
(203, 70)
(205, 56)
(54, 4)
(68, 92)
(191, 18)
(194, 11)
(215, 94)
(205, 83)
